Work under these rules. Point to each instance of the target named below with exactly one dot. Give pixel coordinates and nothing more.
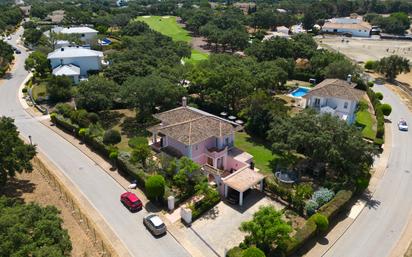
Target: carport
(242, 180)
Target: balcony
(215, 152)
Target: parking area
(219, 227)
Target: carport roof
(243, 179)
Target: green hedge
(97, 145)
(205, 204)
(330, 210)
(380, 128)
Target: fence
(83, 220)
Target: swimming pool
(300, 91)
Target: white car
(402, 125)
(154, 224)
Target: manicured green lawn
(365, 119)
(168, 27)
(261, 155)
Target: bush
(371, 83)
(93, 117)
(111, 137)
(379, 95)
(321, 222)
(155, 187)
(253, 252)
(322, 196)
(371, 65)
(24, 90)
(64, 109)
(235, 252)
(386, 109)
(79, 117)
(311, 207)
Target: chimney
(184, 101)
(349, 79)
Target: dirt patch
(32, 187)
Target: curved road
(379, 226)
(98, 187)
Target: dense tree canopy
(96, 94)
(6, 56)
(59, 88)
(39, 62)
(31, 230)
(392, 66)
(147, 93)
(323, 139)
(15, 155)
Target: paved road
(379, 226)
(98, 187)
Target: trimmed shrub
(335, 205)
(253, 252)
(93, 117)
(379, 95)
(155, 187)
(321, 221)
(386, 109)
(371, 65)
(235, 252)
(371, 83)
(111, 137)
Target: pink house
(207, 140)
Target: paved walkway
(321, 248)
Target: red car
(131, 201)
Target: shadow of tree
(370, 202)
(211, 214)
(153, 207)
(17, 187)
(323, 241)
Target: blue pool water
(301, 91)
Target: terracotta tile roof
(336, 25)
(243, 179)
(191, 126)
(336, 88)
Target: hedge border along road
(308, 231)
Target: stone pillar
(171, 203)
(241, 198)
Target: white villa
(75, 62)
(86, 34)
(353, 26)
(335, 96)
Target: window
(227, 141)
(196, 147)
(360, 30)
(82, 35)
(317, 101)
(345, 105)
